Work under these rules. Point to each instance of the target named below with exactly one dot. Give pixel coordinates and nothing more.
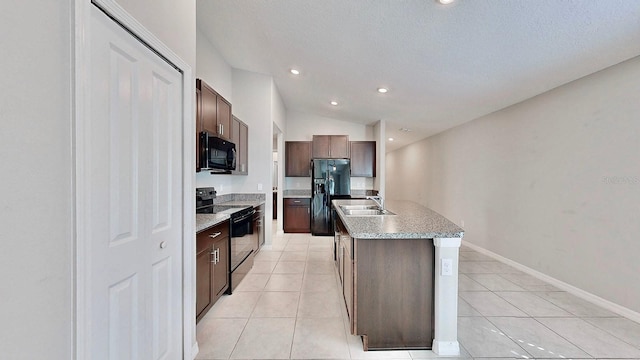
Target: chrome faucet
(378, 200)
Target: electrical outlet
(259, 187)
(446, 267)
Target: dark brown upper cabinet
(240, 137)
(363, 158)
(215, 111)
(330, 147)
(297, 158)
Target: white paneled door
(134, 166)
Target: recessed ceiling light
(445, 2)
(295, 71)
(334, 103)
(382, 90)
(390, 139)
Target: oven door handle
(245, 217)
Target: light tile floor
(289, 307)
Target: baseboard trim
(585, 295)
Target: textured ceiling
(443, 64)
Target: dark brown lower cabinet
(204, 280)
(297, 215)
(388, 290)
(212, 266)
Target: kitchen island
(399, 275)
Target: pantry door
(134, 163)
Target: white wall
(256, 102)
(278, 110)
(213, 68)
(36, 215)
(552, 183)
(252, 105)
(302, 127)
(173, 22)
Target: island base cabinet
(393, 293)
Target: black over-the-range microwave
(216, 154)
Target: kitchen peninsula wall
(302, 127)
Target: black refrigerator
(331, 180)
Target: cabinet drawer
(297, 202)
(208, 236)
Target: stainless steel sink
(366, 212)
(359, 207)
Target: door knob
(163, 245)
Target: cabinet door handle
(216, 256)
(296, 201)
(213, 236)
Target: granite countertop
(223, 212)
(412, 221)
(205, 221)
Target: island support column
(445, 340)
